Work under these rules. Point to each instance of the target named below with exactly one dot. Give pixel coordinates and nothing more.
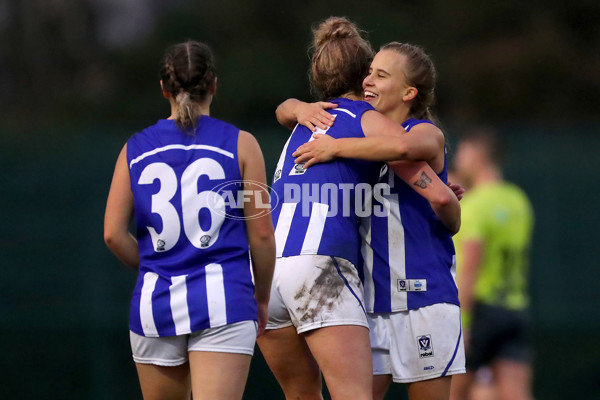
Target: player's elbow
(400, 149)
(110, 238)
(261, 236)
(454, 227)
(283, 118)
(278, 114)
(264, 240)
(443, 199)
(448, 210)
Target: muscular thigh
(292, 363)
(238, 338)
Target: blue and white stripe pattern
(408, 255)
(311, 223)
(194, 269)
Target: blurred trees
(71, 61)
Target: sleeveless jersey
(194, 269)
(408, 254)
(501, 217)
(315, 209)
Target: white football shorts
(170, 351)
(315, 291)
(417, 345)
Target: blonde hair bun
(340, 59)
(334, 28)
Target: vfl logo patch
(160, 245)
(425, 346)
(412, 285)
(402, 286)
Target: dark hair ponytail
(188, 73)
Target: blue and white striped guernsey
(315, 209)
(408, 255)
(194, 263)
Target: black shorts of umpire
(498, 333)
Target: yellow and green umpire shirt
(501, 217)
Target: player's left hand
(315, 115)
(458, 190)
(319, 150)
(263, 315)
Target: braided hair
(188, 73)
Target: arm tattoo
(423, 181)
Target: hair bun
(333, 28)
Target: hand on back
(314, 115)
(318, 150)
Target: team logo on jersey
(160, 245)
(298, 169)
(419, 285)
(412, 285)
(277, 175)
(425, 346)
(205, 240)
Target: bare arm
(119, 210)
(424, 181)
(391, 142)
(385, 140)
(311, 115)
(472, 254)
(259, 227)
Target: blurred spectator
(492, 250)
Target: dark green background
(70, 100)
(65, 297)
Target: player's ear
(410, 93)
(165, 94)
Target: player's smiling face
(386, 88)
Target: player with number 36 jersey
(204, 249)
(195, 273)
